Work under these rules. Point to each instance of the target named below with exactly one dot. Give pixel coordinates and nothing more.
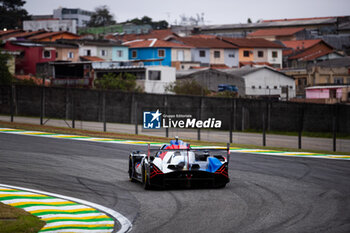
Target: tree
(122, 81)
(12, 14)
(187, 87)
(147, 20)
(249, 20)
(5, 75)
(101, 17)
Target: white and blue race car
(177, 164)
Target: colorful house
(257, 51)
(30, 54)
(158, 52)
(104, 49)
(210, 51)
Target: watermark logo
(152, 120)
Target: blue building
(158, 52)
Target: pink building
(331, 94)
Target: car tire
(130, 171)
(145, 179)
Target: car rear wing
(227, 149)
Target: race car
(177, 164)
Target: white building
(82, 17)
(265, 81)
(53, 25)
(151, 79)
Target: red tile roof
(276, 32)
(2, 32)
(300, 44)
(91, 58)
(158, 34)
(296, 19)
(48, 34)
(252, 43)
(313, 52)
(155, 43)
(24, 34)
(199, 42)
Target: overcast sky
(215, 11)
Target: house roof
(311, 50)
(252, 43)
(49, 34)
(297, 19)
(155, 43)
(335, 63)
(300, 44)
(6, 32)
(105, 43)
(91, 58)
(206, 42)
(241, 72)
(23, 34)
(157, 34)
(276, 32)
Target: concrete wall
(281, 116)
(275, 60)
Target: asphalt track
(266, 193)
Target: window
(161, 53)
(338, 80)
(202, 53)
(217, 54)
(260, 53)
(46, 54)
(119, 53)
(231, 55)
(154, 75)
(87, 52)
(103, 53)
(275, 87)
(253, 87)
(348, 80)
(267, 87)
(259, 87)
(134, 54)
(70, 55)
(246, 53)
(274, 54)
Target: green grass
(15, 220)
(64, 130)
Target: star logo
(151, 120)
(156, 115)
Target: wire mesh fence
(116, 111)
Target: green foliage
(5, 75)
(101, 17)
(187, 87)
(12, 14)
(122, 81)
(147, 20)
(226, 94)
